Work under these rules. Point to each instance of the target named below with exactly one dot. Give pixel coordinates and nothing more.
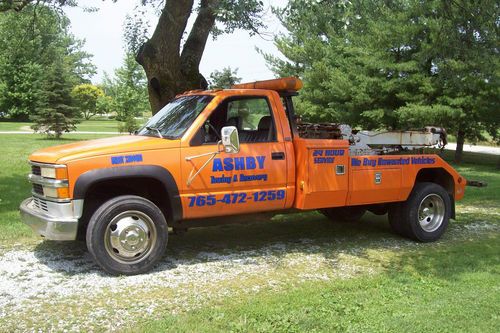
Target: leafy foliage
(86, 97)
(397, 64)
(237, 14)
(224, 79)
(58, 114)
(31, 41)
(135, 30)
(127, 90)
(129, 125)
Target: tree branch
(171, 26)
(195, 44)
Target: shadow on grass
(285, 235)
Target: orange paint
(314, 173)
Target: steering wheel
(214, 129)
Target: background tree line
(45, 75)
(397, 64)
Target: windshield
(175, 117)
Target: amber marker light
(61, 173)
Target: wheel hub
(129, 236)
(431, 212)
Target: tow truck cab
(227, 152)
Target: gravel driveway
(46, 286)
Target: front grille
(38, 189)
(36, 170)
(40, 204)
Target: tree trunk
(460, 146)
(168, 70)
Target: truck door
(253, 180)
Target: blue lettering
(369, 162)
(228, 164)
(217, 166)
(220, 180)
(126, 159)
(245, 178)
(324, 160)
(260, 160)
(117, 160)
(250, 163)
(423, 160)
(239, 163)
(133, 158)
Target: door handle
(278, 155)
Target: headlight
(50, 181)
(54, 172)
(59, 193)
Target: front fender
(91, 177)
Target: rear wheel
(344, 214)
(425, 215)
(127, 235)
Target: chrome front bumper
(52, 220)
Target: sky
(103, 35)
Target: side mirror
(230, 139)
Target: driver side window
(251, 116)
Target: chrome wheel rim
(130, 237)
(431, 212)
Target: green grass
(14, 187)
(453, 288)
(85, 126)
(449, 286)
(14, 126)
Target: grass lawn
(397, 285)
(14, 126)
(449, 286)
(14, 186)
(84, 126)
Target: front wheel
(127, 235)
(425, 215)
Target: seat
(265, 130)
(233, 121)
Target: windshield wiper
(155, 129)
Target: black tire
(394, 215)
(433, 204)
(140, 235)
(344, 214)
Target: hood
(107, 146)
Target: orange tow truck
(220, 153)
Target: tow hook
(476, 183)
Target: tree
(58, 115)
(224, 79)
(398, 64)
(171, 63)
(127, 90)
(19, 5)
(172, 69)
(31, 40)
(465, 53)
(86, 97)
